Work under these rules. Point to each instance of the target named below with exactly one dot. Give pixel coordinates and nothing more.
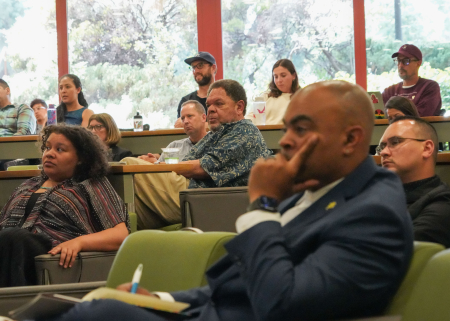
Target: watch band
(264, 203)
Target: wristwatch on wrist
(264, 203)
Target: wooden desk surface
(117, 169)
(140, 143)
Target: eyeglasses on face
(393, 142)
(96, 127)
(198, 66)
(404, 61)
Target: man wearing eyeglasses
(204, 68)
(409, 148)
(425, 93)
(39, 107)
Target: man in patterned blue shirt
(14, 121)
(223, 158)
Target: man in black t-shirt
(204, 68)
(409, 147)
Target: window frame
(209, 28)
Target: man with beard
(204, 68)
(425, 93)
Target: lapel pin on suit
(330, 206)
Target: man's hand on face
(276, 177)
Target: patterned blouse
(66, 211)
(228, 154)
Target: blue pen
(136, 278)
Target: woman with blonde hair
(104, 126)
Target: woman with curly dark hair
(71, 207)
(283, 85)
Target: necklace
(44, 187)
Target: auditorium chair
(172, 261)
(177, 260)
(423, 252)
(88, 266)
(213, 209)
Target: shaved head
(341, 114)
(350, 103)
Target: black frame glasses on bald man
(393, 142)
(404, 61)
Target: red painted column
(63, 41)
(360, 43)
(209, 26)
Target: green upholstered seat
(430, 298)
(423, 252)
(173, 227)
(133, 222)
(172, 260)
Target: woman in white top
(283, 85)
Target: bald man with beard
(327, 235)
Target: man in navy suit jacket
(337, 247)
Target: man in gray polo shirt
(157, 209)
(194, 120)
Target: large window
(389, 24)
(28, 51)
(129, 56)
(317, 35)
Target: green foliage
(129, 53)
(10, 10)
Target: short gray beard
(216, 129)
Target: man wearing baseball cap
(204, 68)
(425, 93)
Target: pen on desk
(136, 278)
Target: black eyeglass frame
(199, 66)
(404, 61)
(392, 144)
(96, 127)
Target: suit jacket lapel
(224, 270)
(348, 188)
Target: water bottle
(138, 123)
(51, 115)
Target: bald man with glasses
(425, 93)
(409, 148)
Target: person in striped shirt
(70, 207)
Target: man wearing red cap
(425, 93)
